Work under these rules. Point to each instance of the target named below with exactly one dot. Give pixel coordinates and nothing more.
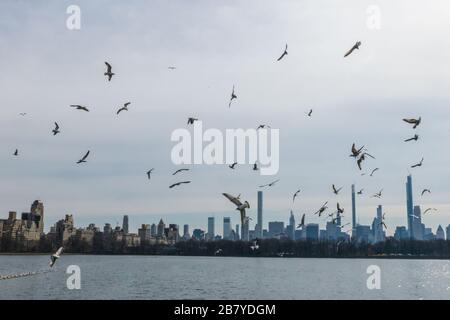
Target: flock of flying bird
(359, 154)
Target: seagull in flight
(108, 72)
(262, 126)
(16, 152)
(178, 183)
(80, 107)
(239, 205)
(295, 195)
(309, 114)
(415, 138)
(84, 158)
(149, 172)
(124, 108)
(360, 192)
(255, 167)
(171, 68)
(418, 164)
(415, 122)
(191, 120)
(284, 53)
(56, 130)
(382, 223)
(373, 171)
(231, 166)
(179, 170)
(22, 114)
(362, 158)
(233, 96)
(425, 190)
(269, 184)
(356, 152)
(339, 209)
(302, 222)
(322, 209)
(378, 195)
(336, 191)
(429, 209)
(55, 257)
(355, 47)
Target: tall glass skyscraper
(226, 227)
(353, 210)
(409, 206)
(259, 232)
(210, 235)
(125, 224)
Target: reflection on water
(161, 277)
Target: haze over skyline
(401, 71)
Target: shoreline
(220, 256)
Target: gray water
(169, 277)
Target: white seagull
(55, 256)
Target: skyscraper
(377, 226)
(353, 211)
(418, 228)
(153, 231)
(440, 235)
(409, 206)
(276, 228)
(312, 232)
(245, 232)
(291, 229)
(259, 231)
(226, 227)
(125, 224)
(237, 232)
(160, 228)
(210, 234)
(186, 234)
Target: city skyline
(412, 221)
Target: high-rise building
(237, 232)
(418, 228)
(160, 229)
(440, 235)
(377, 226)
(312, 232)
(363, 234)
(353, 211)
(259, 231)
(226, 227)
(144, 234)
(186, 234)
(210, 235)
(153, 230)
(401, 233)
(291, 233)
(448, 232)
(245, 230)
(125, 224)
(276, 228)
(409, 206)
(107, 229)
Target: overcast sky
(400, 71)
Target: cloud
(400, 71)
